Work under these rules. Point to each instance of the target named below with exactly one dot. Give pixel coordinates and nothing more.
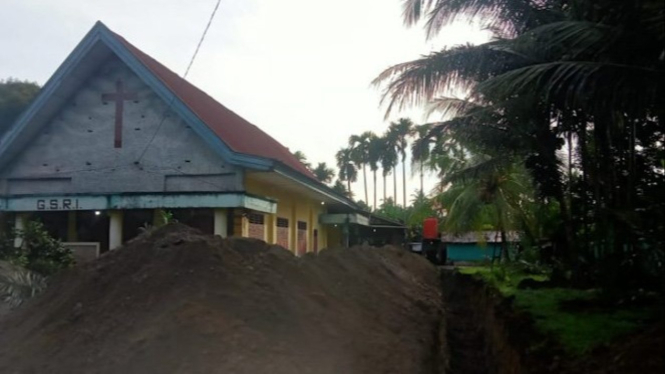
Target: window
(282, 222)
(256, 218)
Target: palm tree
(302, 158)
(347, 169)
(493, 191)
(420, 150)
(388, 163)
(341, 189)
(558, 69)
(359, 145)
(400, 132)
(323, 173)
(374, 151)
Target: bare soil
(176, 301)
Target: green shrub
(39, 251)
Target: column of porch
(115, 229)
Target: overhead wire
(189, 66)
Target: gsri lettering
(58, 204)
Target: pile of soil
(177, 301)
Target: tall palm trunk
(421, 178)
(348, 187)
(365, 182)
(404, 182)
(385, 182)
(395, 185)
(374, 177)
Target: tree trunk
(504, 247)
(404, 182)
(374, 171)
(348, 187)
(365, 182)
(395, 185)
(421, 179)
(385, 182)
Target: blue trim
(136, 201)
(48, 90)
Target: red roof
(236, 132)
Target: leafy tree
(363, 205)
(389, 209)
(347, 169)
(39, 252)
(303, 159)
(341, 189)
(15, 96)
(323, 173)
(488, 193)
(584, 73)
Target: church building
(116, 142)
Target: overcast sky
(298, 69)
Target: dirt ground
(176, 301)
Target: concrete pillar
(244, 221)
(310, 230)
(20, 220)
(221, 222)
(72, 232)
(294, 229)
(271, 228)
(115, 229)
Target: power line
(189, 66)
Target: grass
(578, 329)
(504, 279)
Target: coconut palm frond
(418, 82)
(414, 10)
(486, 165)
(18, 284)
(505, 17)
(571, 38)
(450, 106)
(653, 19)
(581, 84)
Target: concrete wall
(75, 152)
(293, 207)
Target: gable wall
(75, 153)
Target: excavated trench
(480, 332)
(465, 336)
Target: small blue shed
(476, 245)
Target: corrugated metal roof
(239, 134)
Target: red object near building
(430, 228)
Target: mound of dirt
(176, 301)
